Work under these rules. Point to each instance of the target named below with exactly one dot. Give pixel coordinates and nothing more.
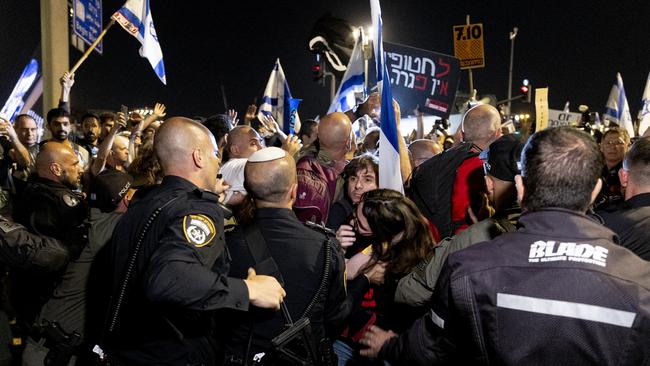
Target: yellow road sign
(468, 45)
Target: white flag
(135, 17)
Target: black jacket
(299, 252)
(179, 276)
(631, 221)
(559, 291)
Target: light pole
(513, 35)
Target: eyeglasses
(614, 143)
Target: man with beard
(48, 207)
(90, 126)
(58, 121)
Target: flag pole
(92, 47)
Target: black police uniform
(50, 208)
(164, 315)
(557, 292)
(631, 221)
(46, 208)
(299, 252)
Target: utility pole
(513, 35)
(54, 48)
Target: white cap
(267, 154)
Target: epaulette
(320, 227)
(205, 194)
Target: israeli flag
(352, 83)
(15, 101)
(617, 109)
(390, 175)
(276, 101)
(135, 17)
(644, 112)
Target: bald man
(456, 175)
(48, 200)
(48, 206)
(319, 184)
(243, 141)
(423, 150)
(298, 250)
(168, 266)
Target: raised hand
(121, 121)
(231, 114)
(371, 107)
(292, 145)
(251, 112)
(159, 110)
(67, 80)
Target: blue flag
(135, 17)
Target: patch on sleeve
(8, 226)
(199, 230)
(70, 200)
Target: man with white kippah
(243, 141)
(301, 256)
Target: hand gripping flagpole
(92, 47)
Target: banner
(422, 78)
(558, 118)
(541, 109)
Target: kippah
(267, 154)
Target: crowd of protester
(130, 239)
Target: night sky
(573, 47)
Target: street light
(513, 35)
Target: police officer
(557, 291)
(305, 255)
(48, 207)
(168, 265)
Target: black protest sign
(422, 78)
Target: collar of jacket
(640, 200)
(565, 223)
(274, 213)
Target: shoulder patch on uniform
(199, 230)
(70, 200)
(8, 226)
